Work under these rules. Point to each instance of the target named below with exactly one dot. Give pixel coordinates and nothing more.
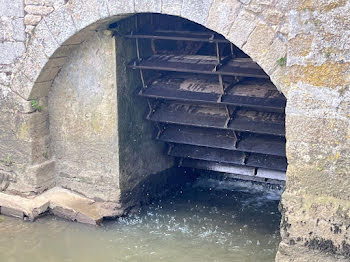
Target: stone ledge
(60, 202)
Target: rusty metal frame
(220, 66)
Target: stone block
(51, 69)
(38, 10)
(21, 84)
(222, 14)
(38, 122)
(41, 176)
(300, 45)
(43, 40)
(280, 79)
(242, 27)
(310, 179)
(79, 37)
(273, 16)
(40, 90)
(11, 8)
(60, 23)
(307, 153)
(254, 8)
(11, 29)
(172, 7)
(319, 102)
(32, 19)
(276, 51)
(259, 42)
(65, 51)
(85, 13)
(34, 2)
(120, 7)
(11, 212)
(10, 102)
(151, 6)
(10, 51)
(327, 131)
(33, 63)
(5, 78)
(196, 10)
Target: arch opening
(213, 106)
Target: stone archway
(62, 31)
(65, 28)
(316, 200)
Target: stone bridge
(56, 133)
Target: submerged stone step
(58, 201)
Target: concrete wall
(312, 35)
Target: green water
(206, 221)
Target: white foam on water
(260, 192)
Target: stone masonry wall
(315, 203)
(83, 120)
(308, 38)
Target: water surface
(207, 221)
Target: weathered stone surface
(65, 50)
(35, 61)
(242, 27)
(11, 8)
(43, 40)
(60, 202)
(80, 37)
(10, 51)
(87, 137)
(32, 19)
(5, 78)
(196, 10)
(40, 90)
(320, 102)
(86, 13)
(38, 10)
(61, 25)
(317, 223)
(222, 14)
(316, 129)
(49, 72)
(7, 211)
(42, 175)
(259, 42)
(245, 1)
(276, 51)
(281, 80)
(21, 84)
(273, 16)
(153, 6)
(11, 29)
(172, 7)
(119, 7)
